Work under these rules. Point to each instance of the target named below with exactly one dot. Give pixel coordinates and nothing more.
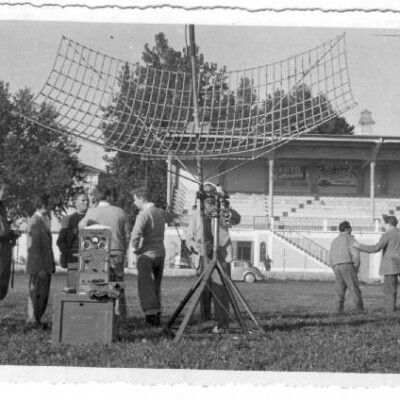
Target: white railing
(295, 224)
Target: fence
(295, 224)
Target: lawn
(302, 334)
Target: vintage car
(242, 270)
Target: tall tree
(299, 110)
(166, 71)
(35, 159)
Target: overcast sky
(28, 49)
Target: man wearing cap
(345, 262)
(389, 243)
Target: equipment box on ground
(79, 319)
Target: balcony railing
(295, 224)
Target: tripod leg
(195, 298)
(243, 301)
(224, 277)
(184, 301)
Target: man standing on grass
(215, 291)
(68, 241)
(116, 220)
(147, 240)
(345, 262)
(5, 242)
(40, 259)
(389, 243)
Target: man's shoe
(152, 321)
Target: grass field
(302, 334)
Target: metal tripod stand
(210, 265)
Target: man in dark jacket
(345, 262)
(389, 243)
(68, 240)
(5, 243)
(40, 259)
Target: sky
(28, 50)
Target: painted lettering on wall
(285, 172)
(337, 175)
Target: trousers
(346, 278)
(150, 273)
(39, 290)
(390, 292)
(214, 292)
(5, 268)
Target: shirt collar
(147, 205)
(39, 214)
(103, 203)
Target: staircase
(306, 246)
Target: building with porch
(292, 199)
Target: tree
(35, 159)
(300, 110)
(166, 69)
(245, 103)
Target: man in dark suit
(68, 240)
(40, 259)
(5, 243)
(389, 243)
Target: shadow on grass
(290, 322)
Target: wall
(251, 179)
(393, 181)
(286, 258)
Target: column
(169, 182)
(271, 189)
(271, 207)
(372, 188)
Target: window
(263, 251)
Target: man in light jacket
(147, 240)
(389, 243)
(193, 241)
(345, 262)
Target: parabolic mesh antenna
(137, 109)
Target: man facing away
(116, 220)
(194, 242)
(68, 240)
(389, 243)
(40, 259)
(147, 240)
(345, 262)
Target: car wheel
(249, 278)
